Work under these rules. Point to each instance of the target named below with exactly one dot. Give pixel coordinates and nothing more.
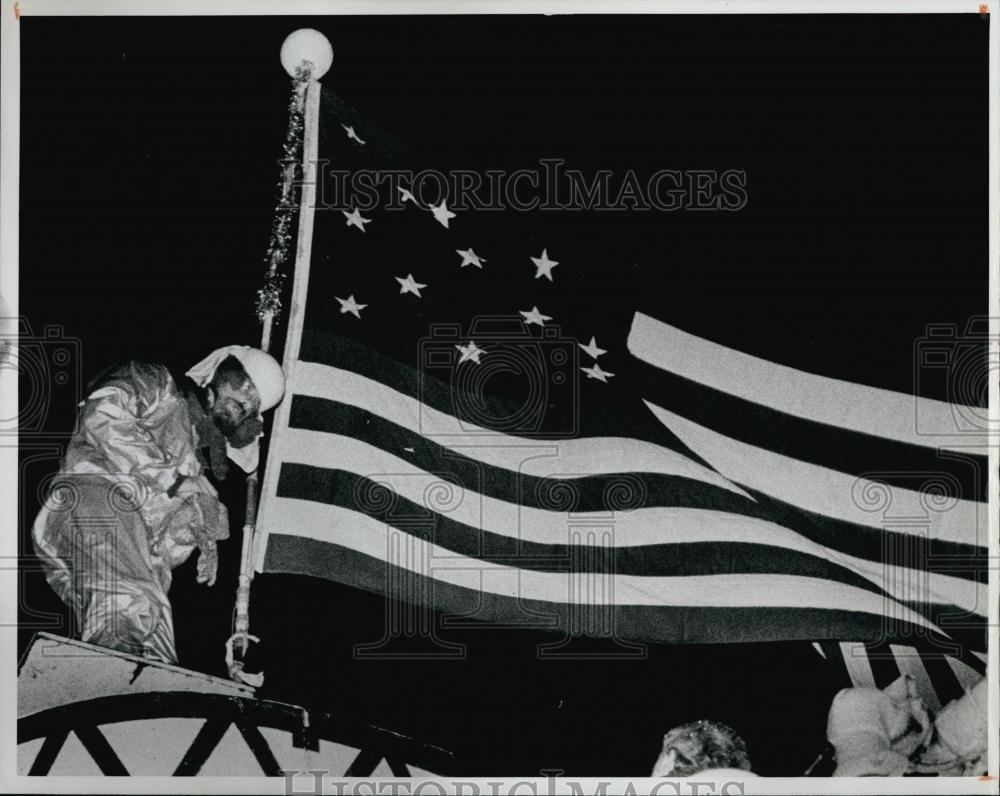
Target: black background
(149, 153)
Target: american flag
(490, 414)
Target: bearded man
(132, 500)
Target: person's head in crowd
(699, 746)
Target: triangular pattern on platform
(231, 758)
(152, 747)
(26, 754)
(74, 760)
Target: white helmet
(263, 370)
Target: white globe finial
(309, 45)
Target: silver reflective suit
(130, 503)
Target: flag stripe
(858, 665)
(352, 438)
(837, 449)
(883, 663)
(420, 424)
(346, 528)
(909, 662)
(967, 675)
(835, 657)
(946, 684)
(543, 475)
(882, 413)
(701, 541)
(892, 546)
(686, 619)
(846, 497)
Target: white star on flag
(592, 349)
(408, 285)
(469, 257)
(354, 219)
(534, 316)
(352, 135)
(544, 265)
(405, 195)
(351, 306)
(470, 353)
(442, 213)
(595, 372)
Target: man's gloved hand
(212, 524)
(208, 562)
(206, 513)
(196, 519)
(212, 521)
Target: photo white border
(9, 165)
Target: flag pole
(306, 55)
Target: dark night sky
(148, 176)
